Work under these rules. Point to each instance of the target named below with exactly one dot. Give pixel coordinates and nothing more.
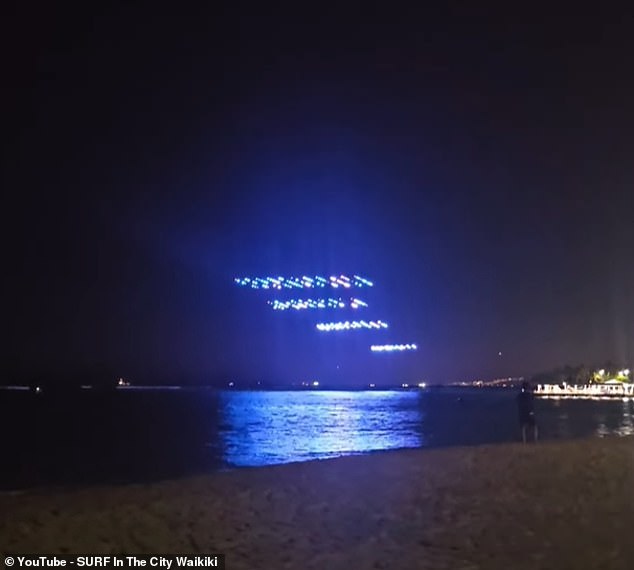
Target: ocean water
(124, 436)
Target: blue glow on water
(261, 428)
(161, 433)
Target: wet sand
(551, 505)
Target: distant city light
(315, 383)
(330, 303)
(349, 325)
(392, 347)
(304, 282)
(422, 385)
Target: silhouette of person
(526, 411)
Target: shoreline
(551, 505)
(57, 488)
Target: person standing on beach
(526, 411)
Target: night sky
(477, 166)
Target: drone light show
(392, 347)
(316, 282)
(304, 282)
(330, 303)
(350, 325)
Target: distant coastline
(253, 388)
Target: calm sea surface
(87, 437)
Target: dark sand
(551, 505)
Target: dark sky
(477, 165)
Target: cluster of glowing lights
(350, 325)
(317, 282)
(316, 304)
(303, 282)
(392, 347)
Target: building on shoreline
(609, 389)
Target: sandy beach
(551, 505)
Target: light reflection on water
(157, 434)
(627, 424)
(277, 427)
(259, 428)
